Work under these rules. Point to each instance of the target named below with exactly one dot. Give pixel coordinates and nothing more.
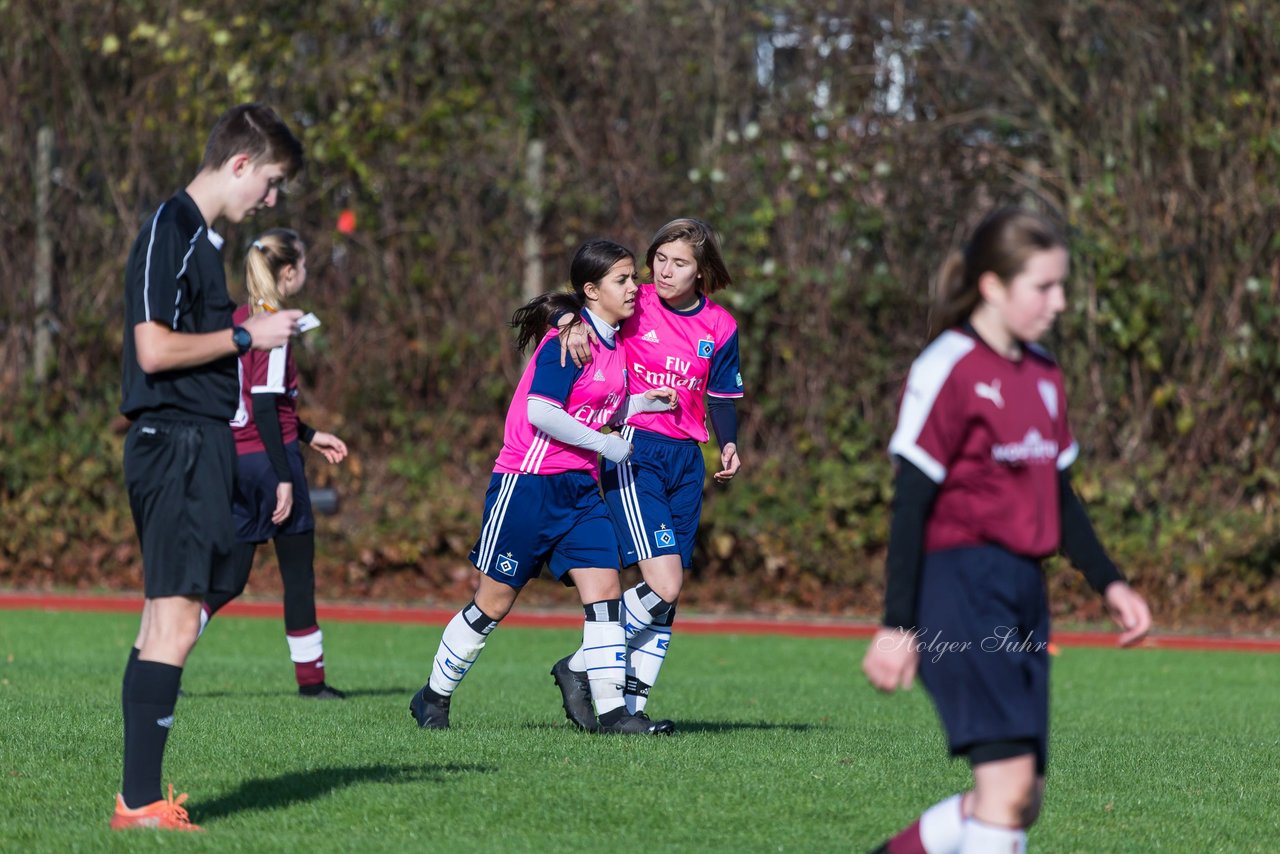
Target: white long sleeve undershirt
(563, 427)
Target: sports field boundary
(570, 619)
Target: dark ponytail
(590, 263)
(536, 316)
(952, 302)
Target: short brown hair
(255, 130)
(706, 251)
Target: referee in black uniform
(180, 390)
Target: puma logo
(990, 392)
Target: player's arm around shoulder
(576, 337)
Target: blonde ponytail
(270, 254)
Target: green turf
(782, 747)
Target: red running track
(551, 620)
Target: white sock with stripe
(982, 838)
(604, 654)
(460, 646)
(646, 653)
(639, 605)
(646, 619)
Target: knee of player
(1031, 810)
(1007, 784)
(494, 598)
(611, 588)
(664, 575)
(667, 586)
(172, 635)
(670, 593)
(595, 585)
(1022, 799)
(495, 610)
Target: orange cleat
(161, 815)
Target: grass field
(781, 747)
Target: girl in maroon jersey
(982, 450)
(272, 501)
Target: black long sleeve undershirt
(913, 496)
(267, 416)
(724, 419)
(1080, 541)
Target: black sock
(128, 673)
(124, 690)
(149, 698)
(296, 554)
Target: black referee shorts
(180, 475)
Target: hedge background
(840, 148)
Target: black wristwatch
(243, 340)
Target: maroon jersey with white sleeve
(993, 434)
(265, 371)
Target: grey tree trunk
(42, 355)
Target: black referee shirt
(175, 277)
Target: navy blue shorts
(179, 475)
(534, 520)
(984, 655)
(256, 483)
(655, 497)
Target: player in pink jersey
(272, 501)
(982, 494)
(543, 507)
(679, 338)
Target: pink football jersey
(993, 434)
(591, 395)
(272, 372)
(695, 353)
